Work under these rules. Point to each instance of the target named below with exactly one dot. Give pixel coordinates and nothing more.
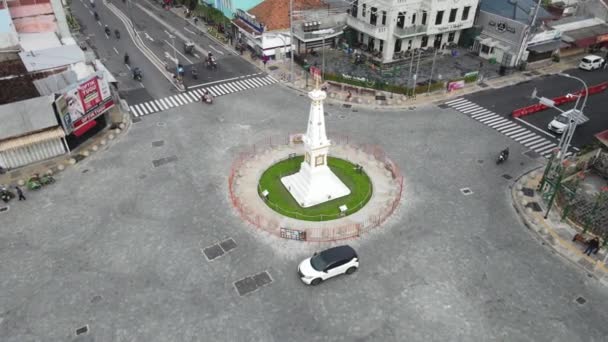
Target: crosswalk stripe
(199, 92)
(134, 111)
(492, 121)
(482, 114)
(153, 105)
(218, 90)
(186, 98)
(193, 95)
(504, 125)
(250, 84)
(490, 118)
(256, 83)
(542, 143)
(149, 107)
(212, 91)
(478, 111)
(159, 105)
(143, 108)
(469, 110)
(524, 137)
(458, 100)
(545, 149)
(513, 132)
(228, 88)
(271, 79)
(166, 104)
(224, 92)
(178, 100)
(232, 88)
(237, 85)
(497, 122)
(532, 140)
(462, 106)
(172, 102)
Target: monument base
(309, 190)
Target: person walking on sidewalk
(20, 193)
(593, 247)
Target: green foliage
(72, 22)
(280, 200)
(471, 79)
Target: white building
(388, 27)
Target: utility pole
(432, 69)
(526, 38)
(291, 41)
(416, 74)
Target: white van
(591, 62)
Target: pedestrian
(20, 193)
(349, 96)
(593, 246)
(480, 65)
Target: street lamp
(325, 33)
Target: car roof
(592, 57)
(339, 253)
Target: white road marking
(483, 115)
(536, 128)
(186, 29)
(175, 50)
(178, 100)
(99, 23)
(134, 111)
(160, 105)
(524, 136)
(490, 118)
(480, 114)
(153, 106)
(494, 123)
(149, 107)
(451, 102)
(256, 82)
(546, 149)
(542, 143)
(512, 132)
(142, 108)
(116, 50)
(536, 138)
(197, 56)
(172, 102)
(148, 36)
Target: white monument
(315, 183)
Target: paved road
(504, 101)
(161, 31)
(116, 242)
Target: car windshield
(586, 60)
(318, 263)
(562, 119)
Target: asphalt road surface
(164, 34)
(504, 101)
(116, 242)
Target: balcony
(378, 32)
(410, 31)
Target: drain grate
(82, 330)
(580, 300)
(213, 252)
(381, 97)
(163, 161)
(506, 176)
(466, 191)
(252, 283)
(535, 206)
(528, 192)
(158, 143)
(228, 245)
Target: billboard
(83, 102)
(455, 85)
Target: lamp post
(325, 33)
(291, 42)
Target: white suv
(591, 62)
(329, 263)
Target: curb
(546, 234)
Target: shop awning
(10, 144)
(587, 36)
(545, 47)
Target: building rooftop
(51, 58)
(274, 14)
(19, 118)
(520, 10)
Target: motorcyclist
(137, 73)
(117, 33)
(96, 16)
(206, 96)
(505, 153)
(107, 30)
(126, 58)
(194, 72)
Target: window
(355, 8)
(373, 15)
(425, 41)
(451, 37)
(453, 12)
(400, 19)
(439, 18)
(363, 9)
(424, 18)
(485, 49)
(409, 44)
(437, 42)
(319, 160)
(397, 45)
(465, 12)
(414, 19)
(383, 17)
(381, 47)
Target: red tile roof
(274, 14)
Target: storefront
(581, 35)
(82, 108)
(30, 133)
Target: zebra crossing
(511, 129)
(218, 89)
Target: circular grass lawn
(281, 201)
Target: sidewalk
(553, 231)
(99, 142)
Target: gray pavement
(118, 247)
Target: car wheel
(316, 282)
(351, 270)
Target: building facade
(229, 7)
(390, 27)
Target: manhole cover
(213, 252)
(82, 330)
(346, 105)
(262, 279)
(273, 67)
(161, 124)
(85, 170)
(158, 143)
(581, 300)
(535, 206)
(528, 192)
(3, 209)
(228, 245)
(505, 176)
(245, 286)
(466, 191)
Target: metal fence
(325, 231)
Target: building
(507, 35)
(388, 28)
(230, 7)
(265, 27)
(581, 34)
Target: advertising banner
(455, 85)
(83, 102)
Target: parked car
(560, 123)
(591, 62)
(327, 264)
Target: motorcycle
(126, 59)
(107, 30)
(117, 34)
(503, 156)
(96, 16)
(137, 74)
(6, 195)
(194, 73)
(207, 98)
